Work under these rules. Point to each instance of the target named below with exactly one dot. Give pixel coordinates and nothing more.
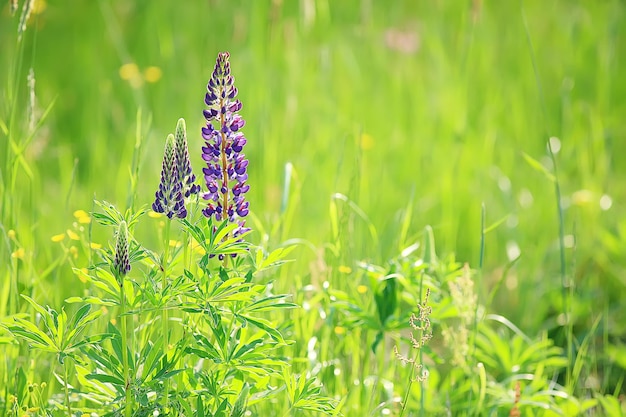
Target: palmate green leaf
(233, 289)
(205, 349)
(199, 406)
(264, 325)
(196, 232)
(240, 349)
(151, 354)
(101, 279)
(89, 340)
(116, 344)
(165, 373)
(21, 382)
(45, 314)
(32, 335)
(113, 217)
(239, 408)
(222, 409)
(97, 394)
(92, 300)
(60, 322)
(542, 351)
(271, 303)
(110, 217)
(225, 228)
(304, 394)
(103, 360)
(103, 219)
(79, 315)
(76, 326)
(274, 259)
(108, 379)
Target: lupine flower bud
(185, 174)
(121, 261)
(225, 174)
(169, 197)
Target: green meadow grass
(366, 121)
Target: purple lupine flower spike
(121, 261)
(169, 197)
(185, 174)
(225, 174)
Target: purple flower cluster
(177, 178)
(169, 197)
(185, 174)
(225, 173)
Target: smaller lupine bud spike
(185, 173)
(121, 260)
(169, 197)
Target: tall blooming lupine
(185, 174)
(169, 197)
(225, 174)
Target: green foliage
(366, 121)
(60, 336)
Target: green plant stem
(408, 389)
(66, 386)
(128, 410)
(565, 284)
(164, 318)
(417, 359)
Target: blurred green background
(403, 106)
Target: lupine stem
(164, 318)
(128, 410)
(66, 384)
(120, 267)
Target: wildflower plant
(421, 334)
(184, 335)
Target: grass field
(390, 143)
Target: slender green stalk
(405, 400)
(134, 177)
(481, 259)
(566, 294)
(557, 191)
(418, 358)
(66, 384)
(164, 318)
(128, 409)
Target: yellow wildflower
(58, 238)
(344, 269)
(367, 142)
(80, 213)
(152, 74)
